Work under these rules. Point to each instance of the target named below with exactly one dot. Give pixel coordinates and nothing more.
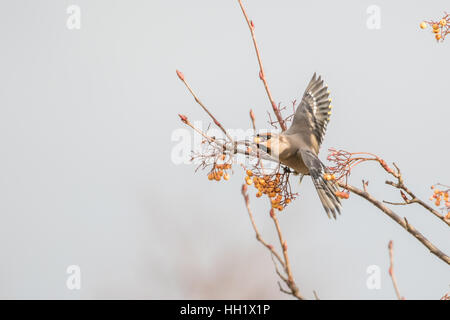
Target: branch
(402, 222)
(255, 228)
(217, 123)
(262, 75)
(400, 185)
(230, 146)
(391, 270)
(288, 279)
(345, 161)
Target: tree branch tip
(252, 115)
(183, 118)
(180, 75)
(390, 245)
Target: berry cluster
(342, 194)
(440, 28)
(439, 196)
(275, 186)
(219, 171)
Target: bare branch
(291, 283)
(217, 123)
(255, 228)
(402, 222)
(288, 279)
(400, 185)
(391, 270)
(262, 75)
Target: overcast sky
(87, 118)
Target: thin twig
(288, 279)
(231, 147)
(391, 270)
(402, 222)
(216, 122)
(400, 185)
(262, 75)
(291, 283)
(255, 228)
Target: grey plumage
(299, 146)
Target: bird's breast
(295, 162)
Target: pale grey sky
(86, 120)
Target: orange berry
(288, 200)
(249, 181)
(249, 173)
(438, 36)
(210, 176)
(258, 194)
(443, 22)
(272, 194)
(223, 157)
(435, 26)
(423, 25)
(436, 30)
(280, 208)
(220, 173)
(217, 177)
(226, 176)
(342, 195)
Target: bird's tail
(326, 188)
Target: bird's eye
(263, 136)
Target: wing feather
(313, 113)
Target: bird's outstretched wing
(313, 113)
(326, 189)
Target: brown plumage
(299, 146)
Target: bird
(298, 146)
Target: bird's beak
(264, 146)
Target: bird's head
(272, 144)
